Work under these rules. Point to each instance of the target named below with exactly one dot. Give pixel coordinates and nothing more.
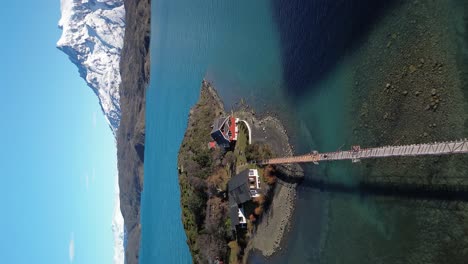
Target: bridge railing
(356, 153)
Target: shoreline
(270, 234)
(130, 137)
(273, 225)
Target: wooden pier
(356, 153)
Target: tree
(252, 218)
(269, 175)
(217, 154)
(260, 200)
(229, 159)
(191, 167)
(196, 205)
(258, 210)
(216, 214)
(197, 183)
(258, 151)
(217, 180)
(203, 159)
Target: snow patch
(92, 37)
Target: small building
(225, 131)
(238, 187)
(241, 189)
(254, 183)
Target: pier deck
(356, 153)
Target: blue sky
(58, 156)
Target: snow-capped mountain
(92, 37)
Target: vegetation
(269, 175)
(203, 177)
(203, 174)
(245, 154)
(258, 151)
(241, 146)
(235, 251)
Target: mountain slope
(92, 37)
(135, 72)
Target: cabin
(242, 188)
(224, 132)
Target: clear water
(233, 42)
(284, 56)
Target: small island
(227, 199)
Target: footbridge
(357, 153)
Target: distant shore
(134, 71)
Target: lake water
(289, 57)
(234, 41)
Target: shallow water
(292, 58)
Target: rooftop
(238, 187)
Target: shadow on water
(315, 35)
(447, 197)
(444, 191)
(409, 191)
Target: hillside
(134, 70)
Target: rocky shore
(275, 223)
(134, 71)
(270, 227)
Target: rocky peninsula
(134, 70)
(204, 175)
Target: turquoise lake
(290, 58)
(237, 45)
(192, 41)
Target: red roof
(232, 128)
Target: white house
(254, 183)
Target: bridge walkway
(356, 153)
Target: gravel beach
(274, 224)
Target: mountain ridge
(135, 73)
(92, 37)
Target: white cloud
(71, 248)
